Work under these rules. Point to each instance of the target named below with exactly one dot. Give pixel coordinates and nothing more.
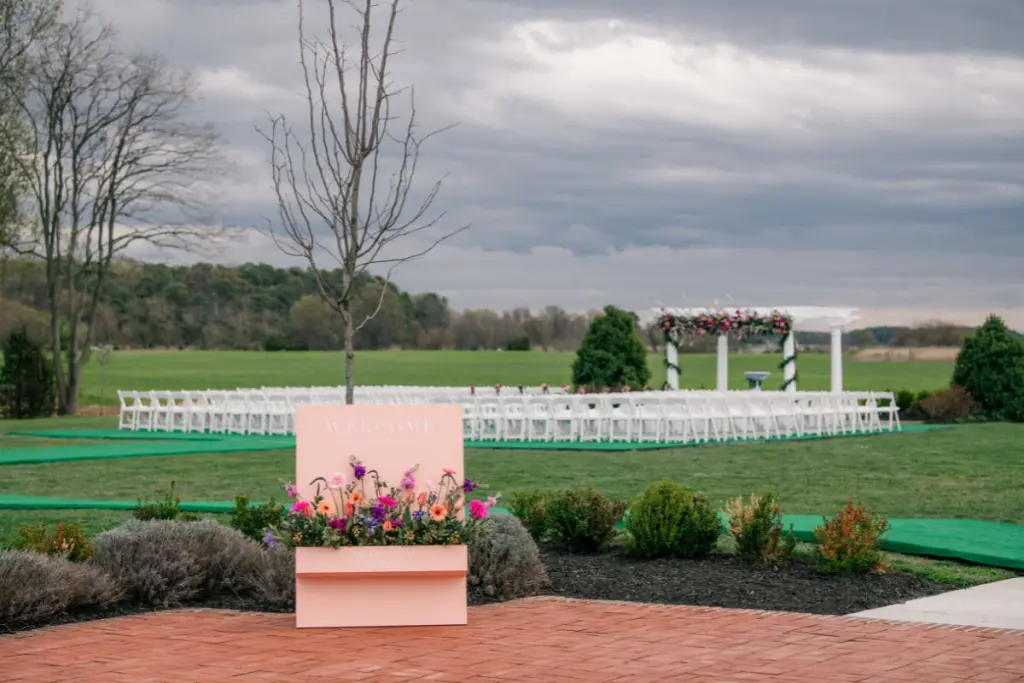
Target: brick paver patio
(533, 640)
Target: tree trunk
(350, 360)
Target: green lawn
(971, 471)
(169, 370)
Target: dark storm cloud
(884, 136)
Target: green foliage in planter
(611, 353)
(582, 520)
(990, 366)
(670, 521)
(504, 562)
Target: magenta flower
(291, 491)
(477, 509)
(338, 524)
(301, 507)
(387, 502)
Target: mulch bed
(722, 581)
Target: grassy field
(169, 370)
(970, 471)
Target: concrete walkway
(532, 641)
(994, 605)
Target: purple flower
(358, 471)
(409, 479)
(419, 515)
(377, 513)
(468, 486)
(291, 491)
(397, 524)
(269, 540)
(338, 524)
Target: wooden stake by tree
(111, 162)
(342, 200)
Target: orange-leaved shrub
(949, 405)
(65, 540)
(756, 525)
(848, 543)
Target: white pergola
(808, 318)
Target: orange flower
(355, 498)
(387, 525)
(438, 513)
(422, 500)
(348, 509)
(325, 507)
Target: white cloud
(627, 72)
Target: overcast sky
(866, 153)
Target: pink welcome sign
(382, 585)
(389, 439)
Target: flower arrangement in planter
(364, 511)
(357, 538)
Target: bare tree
(22, 24)
(111, 162)
(344, 184)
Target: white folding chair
(128, 417)
(649, 418)
(160, 402)
(513, 418)
(539, 423)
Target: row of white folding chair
(641, 417)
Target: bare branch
(111, 161)
(344, 191)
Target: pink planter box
(381, 586)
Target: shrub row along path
(533, 640)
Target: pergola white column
(672, 356)
(789, 370)
(722, 383)
(809, 318)
(836, 352)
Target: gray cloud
(867, 153)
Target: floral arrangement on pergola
(739, 324)
(735, 323)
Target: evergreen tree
(611, 354)
(990, 366)
(26, 379)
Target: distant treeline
(257, 306)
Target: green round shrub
(990, 366)
(670, 521)
(582, 520)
